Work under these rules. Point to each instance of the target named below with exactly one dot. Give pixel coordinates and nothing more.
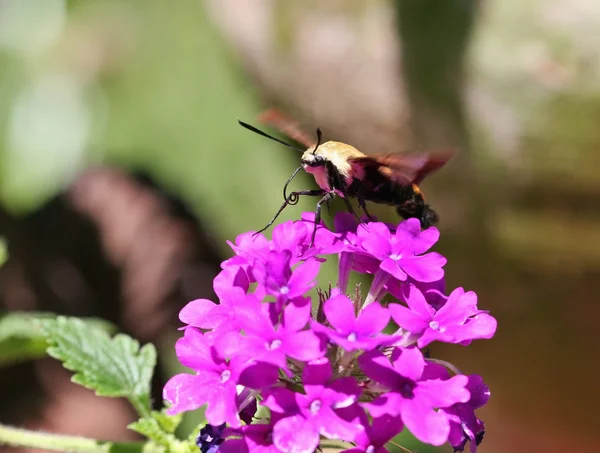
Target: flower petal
(185, 393)
(424, 423)
(334, 427)
(393, 268)
(252, 319)
(289, 235)
(194, 350)
(424, 268)
(480, 392)
(222, 407)
(440, 393)
(408, 362)
(427, 238)
(258, 375)
(408, 319)
(386, 404)
(232, 276)
(233, 446)
(379, 368)
(344, 222)
(339, 311)
(297, 314)
(201, 313)
(385, 428)
(418, 304)
(408, 232)
(458, 307)
(431, 335)
(281, 401)
(372, 319)
(304, 346)
(480, 326)
(294, 435)
(277, 271)
(316, 374)
(375, 239)
(303, 278)
(346, 392)
(250, 245)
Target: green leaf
(160, 429)
(20, 341)
(3, 251)
(115, 367)
(150, 428)
(157, 425)
(168, 423)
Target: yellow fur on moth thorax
(338, 154)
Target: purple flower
(411, 398)
(265, 342)
(215, 381)
(205, 314)
(464, 424)
(276, 277)
(249, 247)
(306, 416)
(231, 276)
(294, 236)
(380, 432)
(434, 292)
(354, 332)
(209, 438)
(247, 414)
(457, 321)
(291, 236)
(260, 345)
(326, 242)
(250, 439)
(352, 257)
(400, 254)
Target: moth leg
(291, 200)
(350, 208)
(328, 196)
(336, 181)
(328, 206)
(362, 203)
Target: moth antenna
(264, 134)
(319, 136)
(290, 180)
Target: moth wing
(404, 169)
(287, 126)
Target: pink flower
(320, 374)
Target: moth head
(428, 217)
(419, 210)
(312, 157)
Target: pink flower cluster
(337, 367)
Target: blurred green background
(158, 86)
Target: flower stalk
(18, 437)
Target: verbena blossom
(457, 321)
(337, 366)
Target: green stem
(141, 408)
(18, 437)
